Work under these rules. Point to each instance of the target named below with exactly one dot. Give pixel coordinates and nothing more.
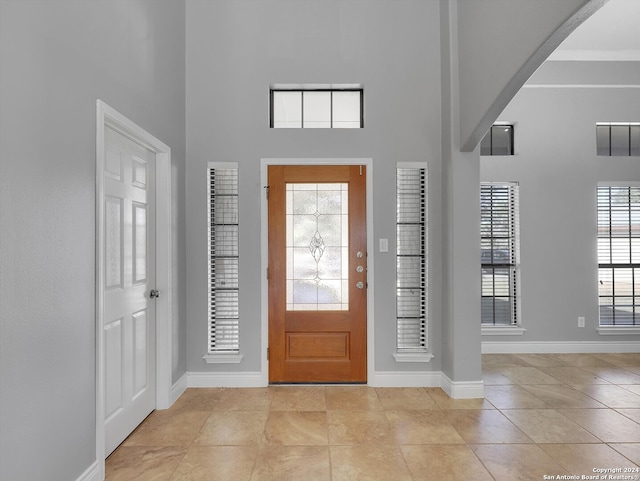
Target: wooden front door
(317, 273)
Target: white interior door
(129, 269)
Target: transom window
(618, 139)
(499, 253)
(619, 255)
(316, 108)
(498, 141)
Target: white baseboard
(558, 347)
(92, 473)
(225, 379)
(456, 390)
(178, 388)
(462, 390)
(404, 379)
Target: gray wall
(558, 170)
(493, 68)
(235, 50)
(56, 58)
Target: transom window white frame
(316, 106)
(412, 340)
(618, 139)
(499, 140)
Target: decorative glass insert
(317, 245)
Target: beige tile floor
(543, 415)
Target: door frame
(264, 252)
(107, 116)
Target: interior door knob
(154, 294)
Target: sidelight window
(223, 306)
(411, 260)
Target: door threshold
(317, 384)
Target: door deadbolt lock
(154, 294)
(359, 269)
(360, 285)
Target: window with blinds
(619, 255)
(411, 260)
(499, 253)
(223, 258)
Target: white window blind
(223, 258)
(411, 260)
(619, 255)
(499, 253)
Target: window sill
(619, 331)
(223, 358)
(413, 356)
(503, 331)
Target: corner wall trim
(559, 347)
(463, 389)
(178, 388)
(225, 379)
(92, 473)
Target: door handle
(154, 294)
(360, 285)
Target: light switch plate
(384, 245)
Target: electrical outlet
(580, 321)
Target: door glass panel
(317, 236)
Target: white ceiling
(612, 33)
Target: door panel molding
(108, 117)
(264, 229)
